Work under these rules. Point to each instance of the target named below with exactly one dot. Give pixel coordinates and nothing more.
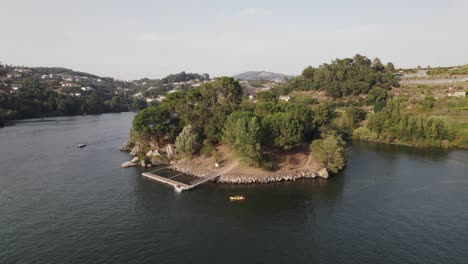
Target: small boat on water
(237, 198)
(82, 145)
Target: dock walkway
(179, 186)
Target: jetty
(178, 186)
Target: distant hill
(261, 76)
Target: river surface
(62, 204)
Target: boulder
(135, 150)
(154, 161)
(153, 153)
(134, 160)
(143, 163)
(128, 164)
(323, 173)
(127, 146)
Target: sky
(136, 39)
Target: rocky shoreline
(154, 157)
(256, 178)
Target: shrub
(330, 151)
(364, 133)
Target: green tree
(377, 64)
(390, 67)
(247, 144)
(187, 141)
(377, 97)
(282, 131)
(158, 123)
(330, 151)
(242, 130)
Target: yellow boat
(237, 198)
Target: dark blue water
(62, 204)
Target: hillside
(31, 92)
(261, 76)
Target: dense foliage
(351, 100)
(344, 77)
(391, 124)
(244, 132)
(330, 151)
(40, 92)
(157, 123)
(35, 100)
(282, 130)
(187, 141)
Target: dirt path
(229, 167)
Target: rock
(170, 151)
(127, 146)
(154, 161)
(134, 160)
(135, 150)
(153, 153)
(323, 173)
(128, 164)
(143, 163)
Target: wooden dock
(179, 186)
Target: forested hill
(29, 92)
(261, 76)
(323, 107)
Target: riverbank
(420, 146)
(228, 177)
(290, 166)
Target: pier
(179, 186)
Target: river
(62, 204)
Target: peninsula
(293, 129)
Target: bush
(282, 131)
(330, 151)
(187, 141)
(364, 133)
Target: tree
(247, 144)
(378, 97)
(263, 109)
(242, 130)
(187, 141)
(323, 113)
(303, 114)
(330, 151)
(265, 96)
(308, 72)
(377, 64)
(282, 131)
(156, 122)
(390, 67)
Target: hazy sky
(134, 39)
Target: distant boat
(237, 198)
(82, 145)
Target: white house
(285, 98)
(457, 94)
(86, 88)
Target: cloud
(154, 37)
(251, 11)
